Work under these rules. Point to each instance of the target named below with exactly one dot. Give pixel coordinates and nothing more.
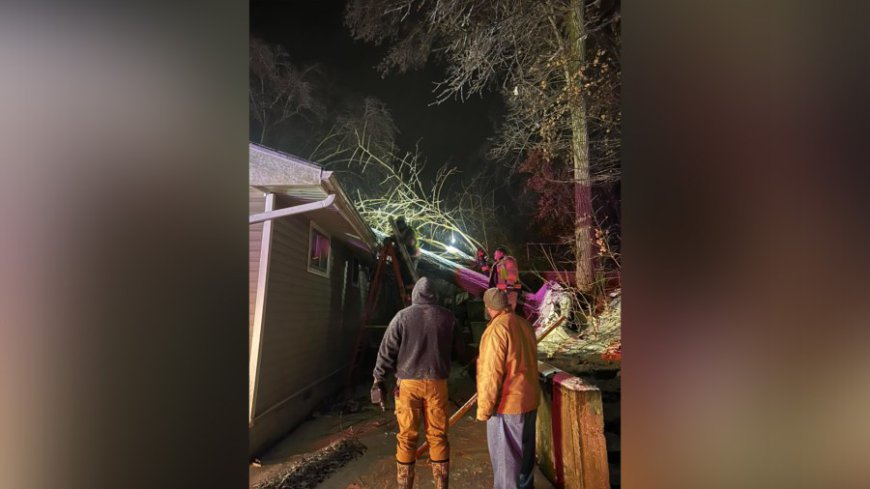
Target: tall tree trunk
(580, 152)
(263, 130)
(483, 220)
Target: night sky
(313, 31)
(453, 132)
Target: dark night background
(314, 32)
(126, 243)
(453, 133)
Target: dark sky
(453, 132)
(313, 31)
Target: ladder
(387, 251)
(403, 250)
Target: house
(309, 252)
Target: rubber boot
(405, 475)
(441, 474)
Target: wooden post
(570, 432)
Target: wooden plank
(544, 440)
(584, 449)
(570, 432)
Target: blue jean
(511, 441)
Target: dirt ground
(375, 468)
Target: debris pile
(557, 302)
(602, 335)
(614, 351)
(312, 469)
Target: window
(318, 251)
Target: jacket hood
(424, 292)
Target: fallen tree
(447, 216)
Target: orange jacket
(507, 369)
(505, 274)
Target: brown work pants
(425, 400)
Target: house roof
(297, 181)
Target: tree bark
(263, 130)
(580, 152)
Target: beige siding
(306, 334)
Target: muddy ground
(375, 468)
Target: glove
(378, 394)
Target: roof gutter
(345, 207)
(290, 211)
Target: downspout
(260, 309)
(289, 211)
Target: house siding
(307, 334)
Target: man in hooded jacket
(416, 346)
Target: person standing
(508, 392)
(416, 346)
(482, 261)
(408, 237)
(505, 275)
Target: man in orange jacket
(508, 392)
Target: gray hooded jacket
(417, 342)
